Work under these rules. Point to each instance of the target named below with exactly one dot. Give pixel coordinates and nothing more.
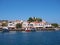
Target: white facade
(25, 24)
(40, 24)
(47, 25)
(35, 24)
(13, 23)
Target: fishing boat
(27, 29)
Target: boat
(56, 28)
(5, 29)
(30, 29)
(27, 29)
(33, 29)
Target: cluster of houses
(25, 24)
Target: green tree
(39, 19)
(55, 24)
(30, 19)
(4, 24)
(18, 25)
(34, 19)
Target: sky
(48, 10)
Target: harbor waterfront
(41, 29)
(30, 38)
(29, 22)
(32, 24)
(34, 31)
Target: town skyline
(27, 20)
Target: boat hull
(5, 30)
(27, 30)
(33, 30)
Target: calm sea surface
(30, 38)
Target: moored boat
(33, 29)
(5, 29)
(56, 28)
(27, 29)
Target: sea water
(30, 38)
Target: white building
(42, 24)
(32, 24)
(47, 25)
(25, 24)
(12, 24)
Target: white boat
(56, 28)
(5, 28)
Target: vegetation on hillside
(30, 19)
(54, 25)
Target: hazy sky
(48, 10)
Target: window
(31, 24)
(10, 24)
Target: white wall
(25, 24)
